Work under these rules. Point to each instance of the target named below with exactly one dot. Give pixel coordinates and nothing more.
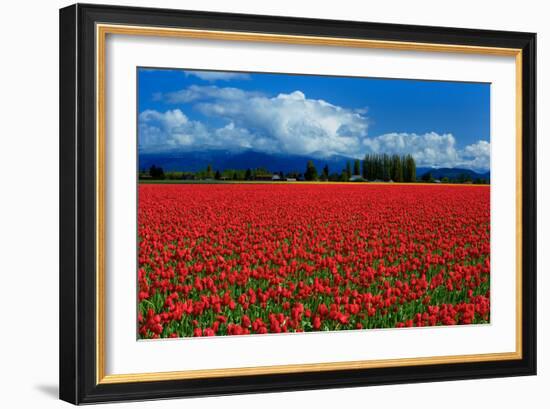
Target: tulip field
(236, 259)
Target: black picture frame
(78, 360)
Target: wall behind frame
(29, 201)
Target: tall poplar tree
(357, 167)
(311, 171)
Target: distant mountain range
(222, 159)
(451, 173)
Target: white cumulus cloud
(199, 92)
(292, 123)
(477, 155)
(432, 149)
(169, 130)
(217, 75)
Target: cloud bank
(432, 149)
(291, 124)
(217, 75)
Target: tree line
(385, 167)
(373, 167)
(382, 167)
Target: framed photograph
(257, 203)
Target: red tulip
(233, 259)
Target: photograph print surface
(285, 203)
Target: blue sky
(442, 124)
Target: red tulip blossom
(238, 259)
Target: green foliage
(464, 178)
(409, 169)
(385, 167)
(380, 167)
(325, 174)
(396, 169)
(311, 172)
(334, 177)
(428, 177)
(156, 172)
(357, 167)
